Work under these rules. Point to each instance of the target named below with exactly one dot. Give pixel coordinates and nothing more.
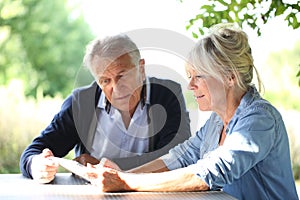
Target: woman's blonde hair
(225, 52)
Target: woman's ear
(231, 80)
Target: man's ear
(142, 68)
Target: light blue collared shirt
(254, 161)
(113, 140)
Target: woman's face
(209, 92)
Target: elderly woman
(243, 147)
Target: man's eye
(104, 81)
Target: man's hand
(44, 167)
(86, 158)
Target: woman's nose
(191, 85)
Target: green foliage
(252, 12)
(283, 99)
(282, 84)
(43, 44)
(22, 119)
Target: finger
(89, 165)
(76, 159)
(43, 180)
(47, 174)
(45, 163)
(46, 178)
(51, 161)
(103, 162)
(109, 164)
(52, 168)
(40, 163)
(82, 160)
(94, 172)
(47, 153)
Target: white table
(67, 186)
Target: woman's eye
(199, 76)
(189, 76)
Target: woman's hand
(179, 180)
(106, 179)
(109, 164)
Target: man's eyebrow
(102, 77)
(122, 71)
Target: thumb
(47, 153)
(109, 164)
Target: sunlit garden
(39, 61)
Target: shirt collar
(249, 97)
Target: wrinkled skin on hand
(109, 164)
(44, 167)
(107, 179)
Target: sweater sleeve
(60, 136)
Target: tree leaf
(195, 35)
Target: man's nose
(117, 84)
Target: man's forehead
(114, 67)
(106, 61)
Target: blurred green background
(42, 44)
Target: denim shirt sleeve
(250, 137)
(189, 152)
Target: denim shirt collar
(250, 96)
(247, 99)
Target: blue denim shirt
(254, 161)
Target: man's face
(121, 81)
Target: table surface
(67, 186)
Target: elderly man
(123, 115)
